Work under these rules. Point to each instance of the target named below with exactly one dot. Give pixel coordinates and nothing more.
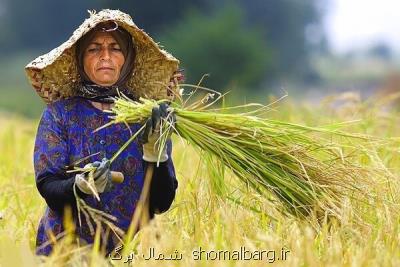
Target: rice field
(217, 221)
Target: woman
(106, 55)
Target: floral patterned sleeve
(50, 157)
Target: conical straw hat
(55, 74)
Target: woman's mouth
(105, 68)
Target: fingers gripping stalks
(97, 179)
(157, 131)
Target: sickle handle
(117, 177)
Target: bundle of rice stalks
(308, 173)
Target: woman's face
(103, 59)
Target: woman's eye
(94, 49)
(116, 49)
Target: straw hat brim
(55, 75)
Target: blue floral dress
(65, 135)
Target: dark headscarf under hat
(88, 89)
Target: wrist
(79, 192)
(81, 184)
(150, 153)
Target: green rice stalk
(305, 171)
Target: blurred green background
(252, 48)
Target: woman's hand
(152, 133)
(101, 177)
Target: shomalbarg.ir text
(242, 254)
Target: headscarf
(87, 88)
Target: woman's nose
(105, 54)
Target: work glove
(152, 132)
(101, 177)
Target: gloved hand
(101, 177)
(152, 132)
